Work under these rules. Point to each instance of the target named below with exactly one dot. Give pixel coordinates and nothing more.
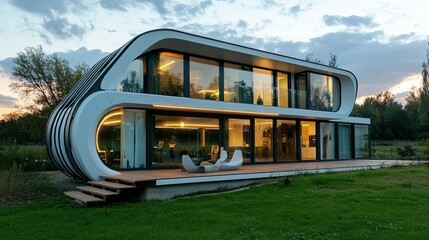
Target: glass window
(239, 137)
(324, 93)
(262, 87)
(327, 141)
(308, 140)
(263, 140)
(131, 80)
(283, 89)
(344, 141)
(238, 83)
(301, 90)
(204, 78)
(361, 141)
(121, 139)
(167, 73)
(177, 135)
(286, 140)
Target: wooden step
(83, 198)
(123, 180)
(97, 191)
(110, 185)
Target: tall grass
(15, 185)
(30, 158)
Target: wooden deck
(246, 172)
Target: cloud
(7, 101)
(113, 5)
(350, 21)
(75, 57)
(42, 7)
(63, 29)
(6, 66)
(295, 9)
(271, 3)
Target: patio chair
(222, 158)
(235, 162)
(189, 165)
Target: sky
(382, 42)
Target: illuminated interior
(308, 140)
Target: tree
(333, 59)
(388, 118)
(43, 80)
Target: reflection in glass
(283, 89)
(301, 90)
(286, 140)
(239, 137)
(308, 140)
(361, 141)
(131, 80)
(263, 140)
(324, 92)
(238, 83)
(327, 141)
(344, 140)
(176, 135)
(121, 139)
(167, 73)
(262, 87)
(204, 78)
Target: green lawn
(374, 204)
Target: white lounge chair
(222, 158)
(235, 162)
(190, 166)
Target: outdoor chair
(235, 162)
(190, 166)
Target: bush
(31, 158)
(406, 151)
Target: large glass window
(361, 141)
(283, 89)
(262, 87)
(344, 141)
(167, 73)
(238, 83)
(301, 90)
(121, 139)
(327, 141)
(239, 137)
(286, 140)
(176, 136)
(263, 140)
(324, 93)
(308, 140)
(204, 78)
(131, 80)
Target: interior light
(167, 64)
(182, 124)
(213, 110)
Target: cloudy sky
(382, 42)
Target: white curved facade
(75, 129)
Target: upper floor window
(167, 77)
(283, 89)
(238, 83)
(317, 91)
(324, 92)
(131, 80)
(262, 87)
(204, 78)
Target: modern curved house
(167, 93)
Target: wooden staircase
(100, 192)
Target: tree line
(43, 80)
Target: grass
(30, 157)
(373, 204)
(388, 149)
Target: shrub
(406, 151)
